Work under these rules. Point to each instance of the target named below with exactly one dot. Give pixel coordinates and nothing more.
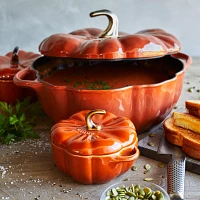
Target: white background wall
(27, 22)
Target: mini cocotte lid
(93, 132)
(14, 61)
(109, 44)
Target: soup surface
(102, 77)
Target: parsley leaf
(17, 121)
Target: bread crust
(187, 139)
(193, 107)
(193, 153)
(172, 133)
(192, 104)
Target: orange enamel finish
(60, 46)
(115, 134)
(9, 92)
(87, 45)
(94, 156)
(26, 59)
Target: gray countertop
(27, 171)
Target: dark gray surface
(192, 165)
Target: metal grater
(175, 169)
(175, 178)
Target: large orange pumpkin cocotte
(138, 76)
(94, 146)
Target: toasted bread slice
(189, 140)
(193, 107)
(192, 104)
(193, 153)
(187, 121)
(173, 133)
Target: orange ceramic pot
(94, 146)
(10, 64)
(152, 57)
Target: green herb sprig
(17, 121)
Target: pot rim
(62, 87)
(39, 82)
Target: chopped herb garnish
(106, 87)
(67, 80)
(76, 84)
(93, 85)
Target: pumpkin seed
(151, 135)
(131, 194)
(134, 168)
(114, 192)
(191, 89)
(149, 195)
(140, 196)
(161, 165)
(148, 179)
(108, 193)
(147, 167)
(142, 192)
(154, 197)
(151, 144)
(157, 193)
(137, 186)
(147, 190)
(160, 196)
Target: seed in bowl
(134, 192)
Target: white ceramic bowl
(142, 184)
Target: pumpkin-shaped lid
(108, 44)
(14, 61)
(93, 133)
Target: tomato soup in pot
(107, 75)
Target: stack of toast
(183, 129)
